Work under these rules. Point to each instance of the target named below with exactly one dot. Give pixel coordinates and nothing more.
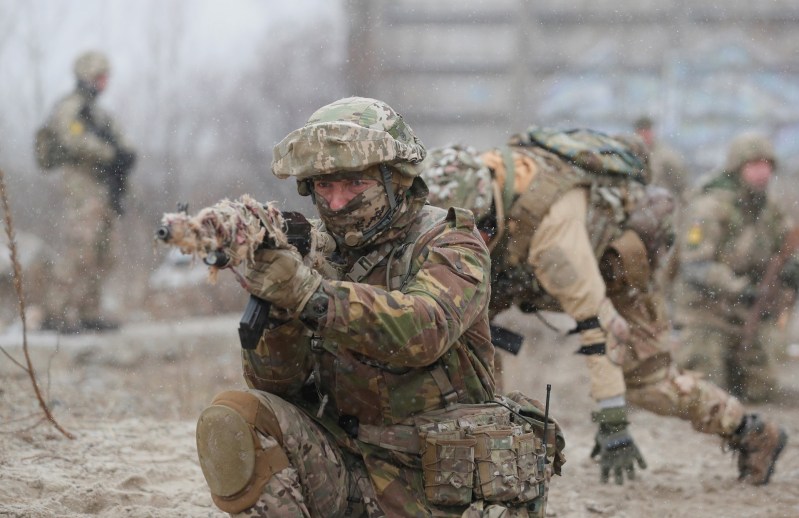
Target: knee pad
(235, 464)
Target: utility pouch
(530, 462)
(496, 466)
(448, 469)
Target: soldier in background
(359, 379)
(666, 165)
(732, 231)
(668, 170)
(564, 240)
(97, 159)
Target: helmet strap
(387, 176)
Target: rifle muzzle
(163, 233)
(217, 258)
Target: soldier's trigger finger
(640, 459)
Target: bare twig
(12, 247)
(13, 360)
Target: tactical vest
(555, 177)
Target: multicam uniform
(377, 391)
(88, 258)
(730, 237)
(565, 240)
(580, 256)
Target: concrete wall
(476, 71)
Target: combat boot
(759, 443)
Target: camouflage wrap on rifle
(236, 228)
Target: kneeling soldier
(371, 388)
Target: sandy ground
(131, 398)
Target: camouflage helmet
(90, 65)
(350, 134)
(749, 147)
(457, 177)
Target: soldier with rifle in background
(82, 140)
(573, 226)
(738, 262)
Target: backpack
(49, 151)
(590, 150)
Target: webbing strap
(585, 325)
(402, 438)
(250, 408)
(592, 350)
(365, 264)
(448, 392)
(508, 190)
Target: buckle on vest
(360, 269)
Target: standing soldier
(96, 160)
(665, 164)
(668, 170)
(372, 382)
(565, 239)
(732, 232)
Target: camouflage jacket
(86, 130)
(728, 239)
(386, 353)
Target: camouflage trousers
(748, 373)
(86, 258)
(324, 479)
(672, 392)
(654, 381)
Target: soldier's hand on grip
(614, 446)
(280, 277)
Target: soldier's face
(757, 174)
(100, 83)
(647, 135)
(338, 193)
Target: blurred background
(204, 89)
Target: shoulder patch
(76, 128)
(694, 236)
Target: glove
(614, 446)
(280, 277)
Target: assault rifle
(766, 299)
(228, 233)
(115, 174)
